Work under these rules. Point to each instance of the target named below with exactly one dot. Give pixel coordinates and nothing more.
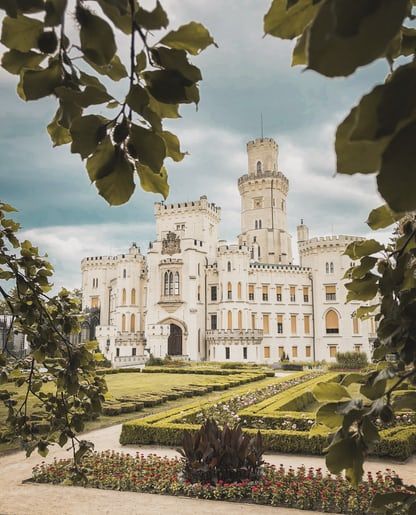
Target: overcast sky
(247, 75)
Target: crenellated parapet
(326, 243)
(196, 206)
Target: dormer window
(258, 166)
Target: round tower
(263, 193)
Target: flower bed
(306, 489)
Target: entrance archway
(175, 341)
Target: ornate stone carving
(171, 244)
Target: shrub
(213, 454)
(152, 361)
(291, 366)
(350, 360)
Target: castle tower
(303, 232)
(263, 192)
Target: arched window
(124, 297)
(176, 286)
(123, 323)
(229, 291)
(166, 283)
(239, 291)
(229, 266)
(259, 224)
(132, 323)
(331, 322)
(256, 225)
(258, 166)
(170, 283)
(327, 268)
(240, 319)
(258, 252)
(331, 268)
(124, 273)
(229, 320)
(133, 296)
(355, 326)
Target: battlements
(255, 178)
(278, 267)
(98, 261)
(233, 248)
(269, 142)
(162, 209)
(323, 242)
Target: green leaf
(117, 186)
(163, 110)
(405, 400)
(397, 179)
(381, 500)
(93, 96)
(345, 36)
(21, 33)
(382, 217)
(359, 249)
(35, 84)
(115, 69)
(365, 288)
(364, 311)
(340, 455)
(100, 163)
(367, 263)
(329, 414)
(373, 390)
(13, 61)
(55, 9)
(85, 132)
(299, 52)
(97, 38)
(330, 392)
(192, 37)
(354, 377)
(120, 18)
(153, 182)
(150, 148)
(172, 59)
(172, 146)
(168, 86)
(152, 20)
(58, 134)
(137, 98)
(287, 22)
(370, 432)
(141, 62)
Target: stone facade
(196, 297)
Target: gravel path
(17, 498)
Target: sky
(248, 74)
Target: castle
(200, 298)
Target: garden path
(17, 498)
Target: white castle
(200, 298)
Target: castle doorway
(175, 341)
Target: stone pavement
(17, 498)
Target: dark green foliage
(350, 361)
(215, 454)
(159, 77)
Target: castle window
(133, 351)
(308, 351)
(227, 352)
(214, 294)
(251, 292)
(132, 323)
(166, 283)
(117, 352)
(124, 297)
(239, 291)
(279, 324)
(258, 166)
(244, 352)
(229, 320)
(293, 294)
(332, 351)
(327, 268)
(307, 324)
(240, 319)
(124, 273)
(199, 293)
(294, 351)
(265, 293)
(123, 323)
(281, 352)
(229, 291)
(293, 327)
(214, 322)
(331, 322)
(331, 268)
(355, 327)
(330, 292)
(229, 266)
(133, 296)
(94, 302)
(259, 224)
(253, 320)
(266, 324)
(283, 205)
(305, 294)
(278, 293)
(176, 285)
(256, 225)
(266, 352)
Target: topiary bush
(225, 454)
(350, 361)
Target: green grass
(130, 384)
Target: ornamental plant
(224, 454)
(57, 383)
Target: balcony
(129, 338)
(129, 361)
(235, 336)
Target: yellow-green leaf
(21, 33)
(192, 37)
(153, 182)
